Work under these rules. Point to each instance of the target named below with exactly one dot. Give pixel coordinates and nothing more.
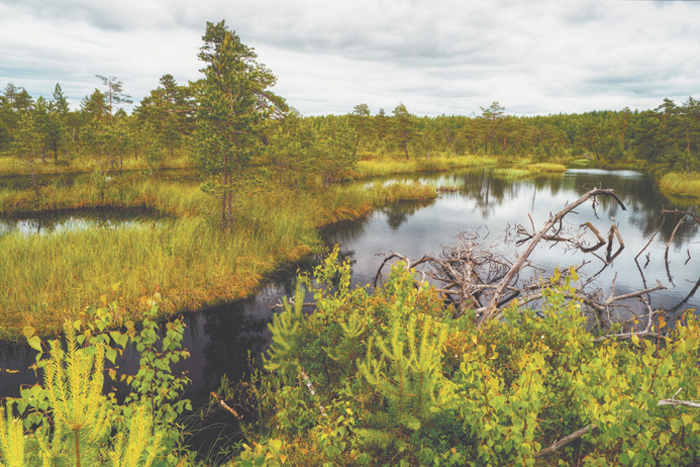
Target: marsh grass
(84, 163)
(511, 173)
(528, 170)
(682, 184)
(187, 257)
(135, 192)
(392, 166)
(546, 167)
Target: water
(219, 339)
(58, 223)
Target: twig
(652, 238)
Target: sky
(436, 57)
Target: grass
(393, 166)
(185, 257)
(528, 170)
(84, 163)
(546, 167)
(682, 184)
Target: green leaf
(28, 332)
(35, 343)
(111, 355)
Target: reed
(682, 184)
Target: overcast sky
(452, 57)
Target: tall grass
(135, 192)
(546, 167)
(681, 184)
(13, 165)
(385, 167)
(47, 278)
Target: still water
(219, 339)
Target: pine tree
(234, 108)
(404, 126)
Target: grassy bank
(529, 170)
(186, 257)
(681, 184)
(392, 166)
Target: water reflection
(220, 338)
(56, 224)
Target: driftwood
(478, 276)
(490, 309)
(473, 275)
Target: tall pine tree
(234, 108)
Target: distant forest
(663, 139)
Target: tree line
(229, 120)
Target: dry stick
(555, 446)
(652, 238)
(670, 240)
(227, 407)
(522, 258)
(601, 240)
(687, 297)
(668, 245)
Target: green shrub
(409, 384)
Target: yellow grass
(682, 184)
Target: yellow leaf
(113, 374)
(115, 286)
(28, 331)
(103, 298)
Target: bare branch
(554, 447)
(522, 258)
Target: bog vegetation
(391, 377)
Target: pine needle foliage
(11, 438)
(68, 420)
(74, 381)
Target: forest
(237, 185)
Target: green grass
(13, 165)
(185, 256)
(393, 166)
(546, 167)
(529, 170)
(682, 184)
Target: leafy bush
(392, 378)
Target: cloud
(437, 57)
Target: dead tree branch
(490, 309)
(555, 446)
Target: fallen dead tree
(475, 275)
